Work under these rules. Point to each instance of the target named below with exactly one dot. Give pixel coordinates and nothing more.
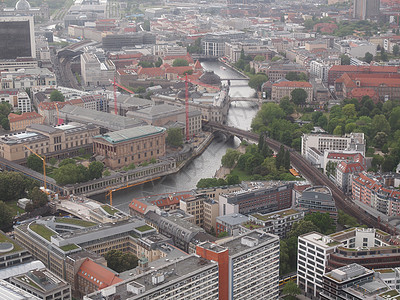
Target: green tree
(6, 217)
(180, 62)
(146, 64)
(324, 222)
(120, 261)
(230, 158)
(146, 25)
(344, 59)
(174, 137)
(331, 168)
(349, 110)
(286, 160)
(380, 139)
(291, 289)
(14, 186)
(95, 169)
(284, 260)
(394, 119)
(396, 50)
(302, 227)
(368, 57)
(223, 234)
(210, 182)
(56, 95)
(38, 197)
(299, 96)
(259, 58)
(158, 63)
(257, 81)
(380, 123)
(232, 179)
(286, 105)
(35, 163)
(346, 220)
(338, 130)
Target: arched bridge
(308, 171)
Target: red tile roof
(139, 206)
(293, 84)
(151, 71)
(25, 116)
(98, 274)
(365, 69)
(350, 167)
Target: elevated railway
(311, 173)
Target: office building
(213, 44)
(318, 254)
(248, 265)
(321, 142)
(366, 9)
(17, 37)
(194, 206)
(265, 199)
(130, 146)
(43, 284)
(318, 199)
(189, 277)
(10, 291)
(24, 77)
(115, 42)
(23, 8)
(285, 88)
(230, 224)
(12, 253)
(354, 282)
(211, 212)
(59, 141)
(390, 276)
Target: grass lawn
(69, 247)
(241, 174)
(13, 205)
(43, 231)
(6, 239)
(109, 209)
(144, 228)
(74, 221)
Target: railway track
(313, 175)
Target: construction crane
(187, 99)
(115, 84)
(44, 166)
(110, 191)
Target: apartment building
(43, 284)
(248, 265)
(20, 122)
(321, 142)
(230, 224)
(19, 100)
(277, 71)
(345, 172)
(372, 191)
(213, 44)
(194, 206)
(318, 254)
(28, 78)
(189, 277)
(318, 199)
(134, 145)
(285, 88)
(211, 212)
(278, 222)
(52, 141)
(275, 196)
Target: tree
(230, 158)
(331, 168)
(14, 186)
(174, 137)
(338, 130)
(286, 105)
(223, 234)
(368, 57)
(38, 197)
(344, 59)
(95, 169)
(146, 64)
(120, 261)
(324, 222)
(158, 63)
(291, 289)
(302, 227)
(380, 123)
(286, 160)
(232, 179)
(56, 95)
(259, 58)
(396, 50)
(35, 163)
(257, 81)
(299, 96)
(180, 62)
(380, 139)
(349, 110)
(346, 220)
(284, 261)
(6, 217)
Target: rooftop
(8, 245)
(276, 214)
(74, 221)
(42, 280)
(130, 134)
(233, 219)
(349, 272)
(9, 291)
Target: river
(240, 115)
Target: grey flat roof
(233, 219)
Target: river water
(240, 115)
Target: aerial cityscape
(199, 150)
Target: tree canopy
(120, 261)
(180, 62)
(174, 137)
(291, 289)
(230, 158)
(257, 81)
(56, 95)
(299, 96)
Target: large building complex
(130, 146)
(365, 9)
(248, 266)
(318, 254)
(59, 141)
(318, 199)
(285, 89)
(17, 36)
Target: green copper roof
(130, 134)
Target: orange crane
(110, 191)
(44, 166)
(115, 84)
